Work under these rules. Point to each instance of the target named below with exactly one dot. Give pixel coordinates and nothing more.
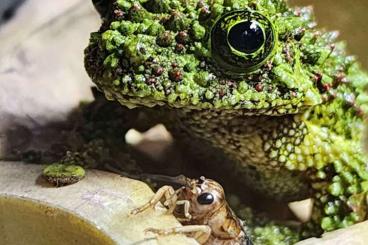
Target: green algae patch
(62, 174)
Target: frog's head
(255, 55)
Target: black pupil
(246, 37)
(205, 198)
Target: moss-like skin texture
(290, 129)
(63, 174)
(262, 230)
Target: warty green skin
(291, 129)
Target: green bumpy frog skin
(248, 86)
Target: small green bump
(124, 5)
(139, 78)
(312, 98)
(336, 178)
(290, 166)
(112, 39)
(141, 68)
(289, 147)
(217, 9)
(273, 154)
(323, 198)
(330, 208)
(190, 67)
(201, 78)
(116, 82)
(338, 166)
(172, 98)
(349, 220)
(243, 87)
(282, 158)
(155, 28)
(209, 95)
(354, 217)
(348, 176)
(127, 27)
(327, 224)
(115, 25)
(336, 189)
(321, 174)
(198, 31)
(111, 61)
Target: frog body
(253, 83)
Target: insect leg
(186, 204)
(171, 197)
(201, 232)
(162, 192)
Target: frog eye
(205, 198)
(242, 41)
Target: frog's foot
(332, 212)
(341, 197)
(60, 174)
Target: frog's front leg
(287, 158)
(335, 168)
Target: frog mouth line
(247, 108)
